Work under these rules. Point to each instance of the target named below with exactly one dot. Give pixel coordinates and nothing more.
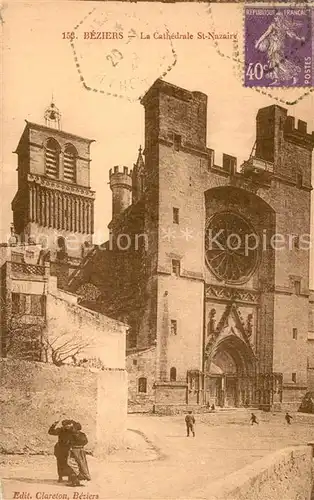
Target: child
(288, 418)
(253, 419)
(77, 456)
(190, 422)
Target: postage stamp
(278, 46)
(235, 52)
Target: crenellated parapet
(227, 166)
(118, 170)
(296, 132)
(283, 150)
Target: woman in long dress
(77, 461)
(272, 41)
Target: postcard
(156, 250)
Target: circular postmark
(272, 53)
(118, 53)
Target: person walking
(288, 418)
(77, 461)
(253, 419)
(61, 450)
(190, 423)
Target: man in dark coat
(288, 418)
(253, 419)
(190, 422)
(62, 447)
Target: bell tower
(54, 204)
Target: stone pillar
(86, 216)
(163, 361)
(82, 215)
(42, 207)
(37, 205)
(50, 209)
(33, 215)
(61, 211)
(56, 210)
(76, 214)
(30, 214)
(61, 165)
(223, 392)
(72, 215)
(92, 218)
(47, 206)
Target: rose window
(230, 251)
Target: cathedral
(217, 313)
(205, 262)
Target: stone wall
(141, 364)
(290, 355)
(68, 320)
(172, 393)
(179, 300)
(34, 395)
(285, 474)
(310, 344)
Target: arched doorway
(230, 373)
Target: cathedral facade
(207, 263)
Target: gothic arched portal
(230, 372)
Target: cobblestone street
(159, 461)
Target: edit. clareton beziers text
(42, 495)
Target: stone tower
(175, 146)
(283, 347)
(54, 204)
(121, 187)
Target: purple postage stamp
(279, 46)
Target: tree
(64, 347)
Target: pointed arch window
(69, 163)
(52, 158)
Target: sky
(38, 62)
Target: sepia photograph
(156, 250)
